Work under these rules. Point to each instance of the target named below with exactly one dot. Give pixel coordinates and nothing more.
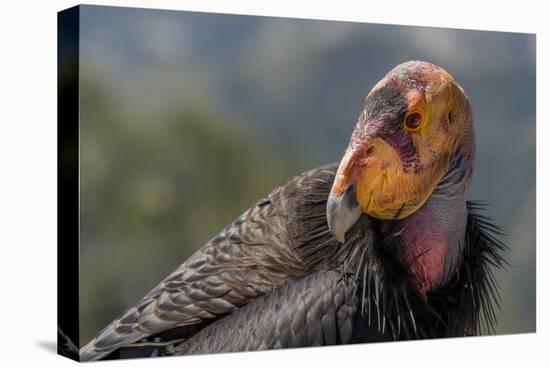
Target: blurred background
(189, 118)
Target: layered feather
(277, 278)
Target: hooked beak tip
(342, 212)
(340, 237)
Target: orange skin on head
(385, 190)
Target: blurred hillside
(152, 192)
(189, 118)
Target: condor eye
(413, 121)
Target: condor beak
(343, 210)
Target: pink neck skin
(434, 236)
(425, 243)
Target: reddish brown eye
(413, 121)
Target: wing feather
(315, 310)
(249, 258)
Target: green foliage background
(152, 192)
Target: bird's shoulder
(317, 309)
(258, 252)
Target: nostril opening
(350, 191)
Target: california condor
(382, 246)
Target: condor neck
(433, 237)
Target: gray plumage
(276, 278)
(305, 267)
